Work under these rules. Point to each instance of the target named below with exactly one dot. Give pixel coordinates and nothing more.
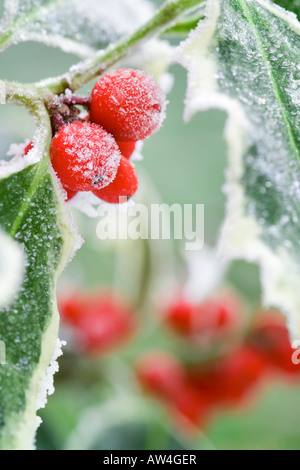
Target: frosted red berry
(126, 148)
(70, 193)
(123, 186)
(84, 156)
(129, 104)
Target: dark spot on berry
(157, 107)
(98, 179)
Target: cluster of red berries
(93, 154)
(195, 392)
(100, 321)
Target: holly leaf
(31, 212)
(244, 59)
(74, 26)
(292, 5)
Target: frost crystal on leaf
(74, 26)
(47, 384)
(244, 59)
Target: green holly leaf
(244, 59)
(31, 212)
(72, 25)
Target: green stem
(86, 71)
(22, 95)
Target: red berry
(128, 103)
(124, 185)
(209, 320)
(232, 378)
(84, 156)
(179, 315)
(70, 194)
(270, 336)
(101, 322)
(126, 148)
(191, 407)
(161, 374)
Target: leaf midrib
(275, 87)
(40, 174)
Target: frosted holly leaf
(292, 5)
(32, 211)
(244, 59)
(11, 269)
(72, 25)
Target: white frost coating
(87, 203)
(35, 155)
(137, 155)
(17, 150)
(66, 45)
(92, 206)
(66, 216)
(47, 384)
(11, 269)
(74, 26)
(10, 11)
(205, 272)
(155, 58)
(285, 15)
(239, 239)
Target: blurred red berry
(191, 408)
(231, 379)
(127, 148)
(128, 104)
(163, 376)
(84, 156)
(207, 320)
(270, 337)
(101, 322)
(123, 186)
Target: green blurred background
(186, 163)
